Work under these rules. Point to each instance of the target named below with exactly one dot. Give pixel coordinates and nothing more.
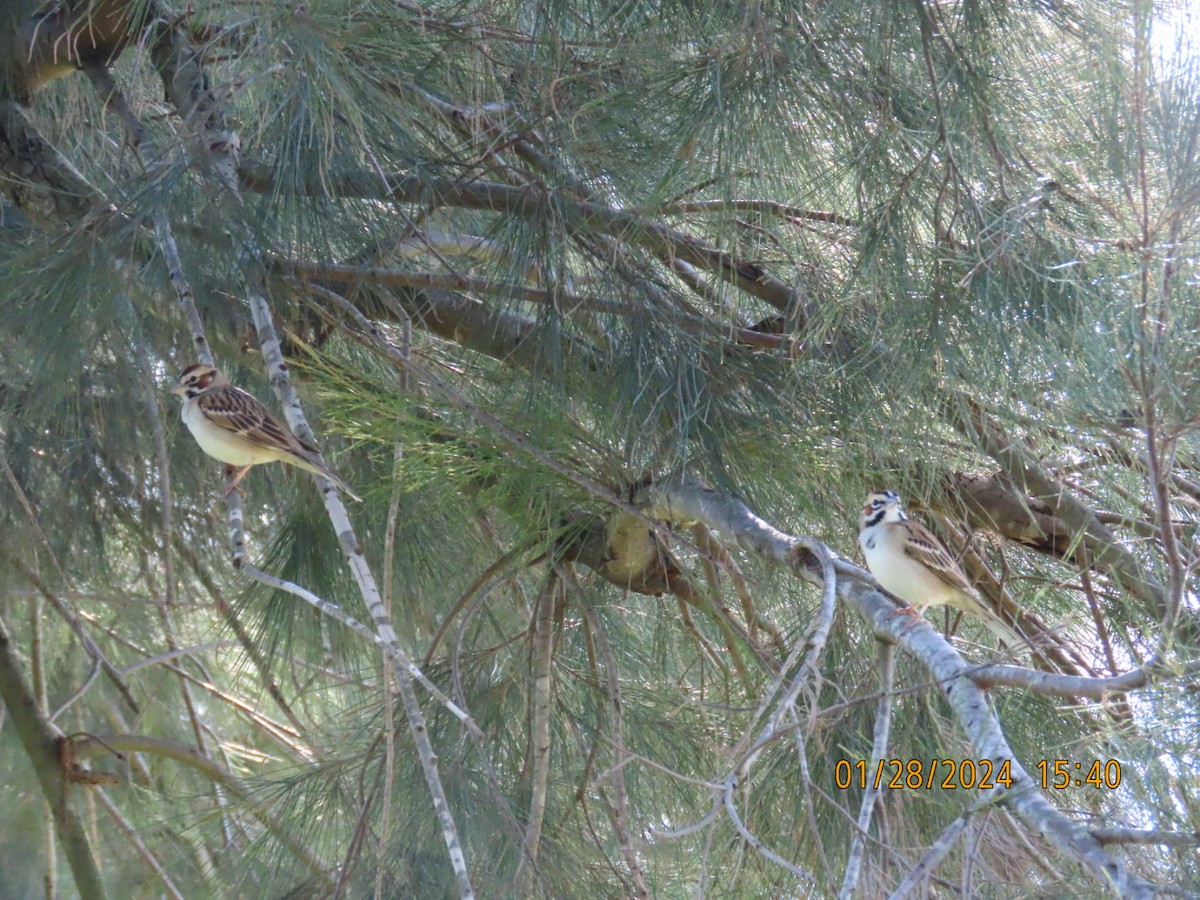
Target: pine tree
(613, 314)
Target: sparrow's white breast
(221, 444)
(898, 572)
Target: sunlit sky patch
(1174, 33)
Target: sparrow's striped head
(198, 378)
(881, 506)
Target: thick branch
(990, 503)
(764, 207)
(184, 80)
(685, 500)
(535, 203)
(879, 748)
(1053, 683)
(59, 38)
(42, 745)
(540, 704)
(499, 333)
(1029, 476)
(422, 293)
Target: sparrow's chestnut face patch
(234, 427)
(878, 501)
(197, 378)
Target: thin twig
(27, 507)
(87, 747)
(753, 840)
(76, 626)
(621, 819)
(400, 660)
(403, 668)
(74, 696)
(487, 582)
(131, 835)
(883, 720)
(389, 731)
(150, 397)
(540, 703)
(929, 861)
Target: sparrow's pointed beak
(179, 390)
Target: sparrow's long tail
(995, 624)
(319, 468)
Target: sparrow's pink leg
(234, 486)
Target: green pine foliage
(799, 250)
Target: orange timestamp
(949, 774)
(1059, 774)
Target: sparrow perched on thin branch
(232, 426)
(911, 563)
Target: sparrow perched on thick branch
(912, 564)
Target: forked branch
(685, 500)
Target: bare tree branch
(575, 215)
(1030, 477)
(42, 743)
(879, 746)
(683, 501)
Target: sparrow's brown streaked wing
(927, 550)
(238, 412)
